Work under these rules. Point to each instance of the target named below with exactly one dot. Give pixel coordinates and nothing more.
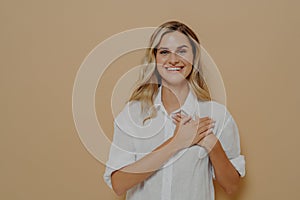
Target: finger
(207, 122)
(185, 119)
(176, 119)
(203, 128)
(209, 131)
(204, 119)
(180, 114)
(175, 116)
(204, 123)
(175, 122)
(202, 136)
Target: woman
(171, 140)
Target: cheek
(188, 60)
(189, 64)
(160, 60)
(188, 67)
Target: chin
(174, 82)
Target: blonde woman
(171, 139)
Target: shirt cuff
(111, 167)
(239, 164)
(107, 176)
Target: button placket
(168, 169)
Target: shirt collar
(189, 106)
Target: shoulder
(225, 128)
(214, 109)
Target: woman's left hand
(207, 142)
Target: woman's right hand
(189, 132)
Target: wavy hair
(146, 88)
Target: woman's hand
(189, 132)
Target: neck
(174, 97)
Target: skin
(175, 50)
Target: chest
(153, 133)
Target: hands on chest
(189, 132)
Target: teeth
(173, 69)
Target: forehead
(174, 40)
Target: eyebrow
(177, 47)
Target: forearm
(137, 172)
(225, 173)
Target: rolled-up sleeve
(230, 140)
(121, 153)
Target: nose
(173, 59)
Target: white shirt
(189, 173)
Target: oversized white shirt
(189, 173)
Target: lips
(174, 68)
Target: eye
(182, 51)
(164, 52)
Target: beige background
(254, 43)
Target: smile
(173, 68)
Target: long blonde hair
(146, 88)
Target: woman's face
(174, 58)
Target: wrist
(209, 142)
(174, 145)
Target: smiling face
(174, 58)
